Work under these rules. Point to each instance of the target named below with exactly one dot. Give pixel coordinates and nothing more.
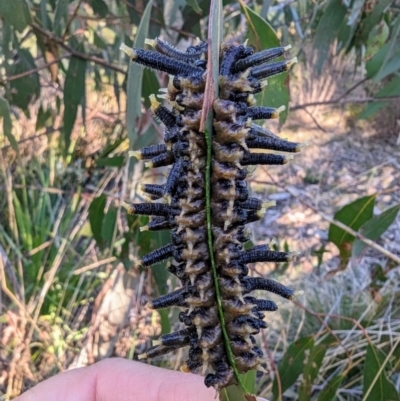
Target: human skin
(120, 380)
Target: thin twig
(76, 53)
(30, 72)
(344, 101)
(72, 17)
(356, 85)
(315, 121)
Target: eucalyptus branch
(30, 72)
(75, 53)
(72, 17)
(344, 101)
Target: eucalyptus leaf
(135, 80)
(392, 88)
(262, 36)
(150, 86)
(372, 19)
(108, 226)
(195, 5)
(16, 13)
(372, 108)
(60, 13)
(374, 64)
(99, 7)
(116, 161)
(311, 369)
(391, 61)
(377, 38)
(329, 391)
(327, 30)
(353, 215)
(235, 393)
(74, 90)
(7, 124)
(291, 365)
(392, 65)
(96, 217)
(374, 228)
(26, 88)
(377, 387)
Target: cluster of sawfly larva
(182, 205)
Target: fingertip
(140, 381)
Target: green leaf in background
(25, 89)
(7, 124)
(235, 393)
(150, 86)
(377, 38)
(372, 19)
(44, 118)
(192, 20)
(16, 13)
(116, 161)
(377, 387)
(262, 36)
(391, 66)
(108, 226)
(391, 63)
(74, 90)
(329, 391)
(372, 108)
(135, 79)
(391, 89)
(291, 365)
(249, 380)
(373, 65)
(195, 5)
(374, 228)
(345, 36)
(311, 369)
(355, 12)
(96, 217)
(99, 7)
(327, 30)
(353, 215)
(60, 13)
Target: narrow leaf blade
(74, 89)
(135, 79)
(291, 365)
(108, 226)
(7, 125)
(377, 387)
(96, 217)
(195, 5)
(311, 371)
(329, 391)
(60, 13)
(262, 36)
(328, 29)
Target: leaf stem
(228, 349)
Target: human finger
(120, 380)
